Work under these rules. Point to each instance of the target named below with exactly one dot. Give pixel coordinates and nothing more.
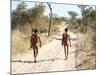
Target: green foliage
(37, 14)
(85, 24)
(22, 17)
(72, 20)
(89, 18)
(72, 14)
(88, 23)
(16, 16)
(58, 20)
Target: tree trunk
(50, 22)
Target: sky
(59, 9)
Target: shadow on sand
(26, 61)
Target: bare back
(65, 38)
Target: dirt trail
(50, 57)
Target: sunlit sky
(59, 9)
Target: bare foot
(35, 61)
(66, 57)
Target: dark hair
(35, 30)
(66, 29)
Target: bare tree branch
(50, 22)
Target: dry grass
(45, 39)
(86, 54)
(20, 42)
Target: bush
(55, 29)
(19, 42)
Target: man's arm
(62, 39)
(40, 41)
(69, 41)
(31, 42)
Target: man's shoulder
(63, 33)
(34, 34)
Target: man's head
(35, 30)
(66, 29)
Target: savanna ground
(51, 55)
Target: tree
(88, 22)
(82, 7)
(23, 17)
(49, 30)
(37, 13)
(72, 14)
(17, 15)
(88, 17)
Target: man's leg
(34, 53)
(65, 51)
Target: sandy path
(50, 58)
